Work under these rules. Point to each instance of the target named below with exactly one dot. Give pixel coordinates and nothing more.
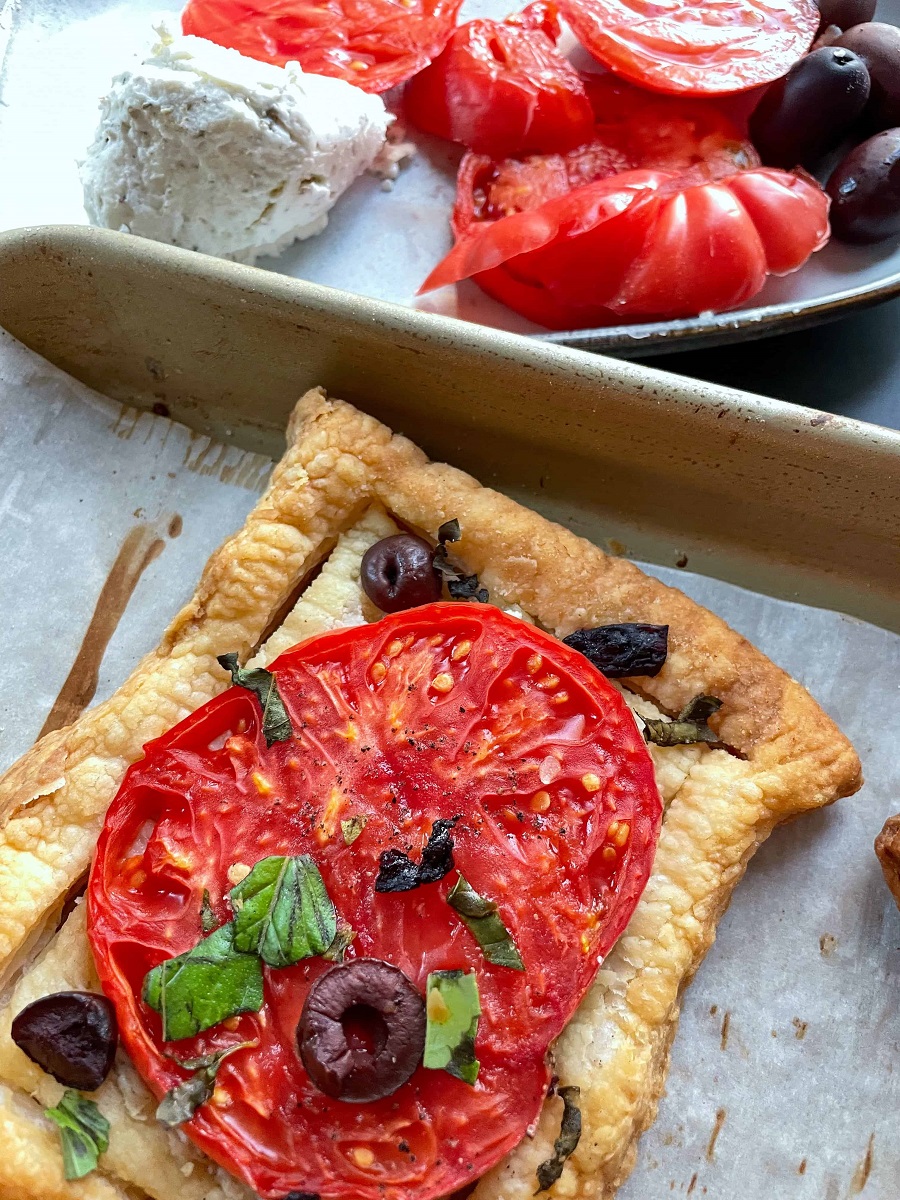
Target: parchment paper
(783, 1080)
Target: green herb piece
(450, 531)
(208, 919)
(283, 911)
(83, 1131)
(204, 986)
(485, 925)
(352, 828)
(688, 728)
(459, 585)
(182, 1101)
(276, 724)
(452, 1009)
(342, 939)
(569, 1135)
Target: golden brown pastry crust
(887, 847)
(787, 757)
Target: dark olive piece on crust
(70, 1035)
(362, 1030)
(398, 572)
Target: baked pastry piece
(293, 571)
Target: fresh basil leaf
(83, 1131)
(352, 828)
(622, 650)
(283, 911)
(342, 939)
(276, 724)
(449, 532)
(486, 925)
(688, 728)
(398, 873)
(208, 919)
(181, 1102)
(204, 986)
(452, 1009)
(569, 1136)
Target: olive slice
(362, 1030)
(70, 1035)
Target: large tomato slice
(633, 130)
(643, 244)
(501, 87)
(704, 47)
(448, 710)
(375, 44)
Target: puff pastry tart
(402, 847)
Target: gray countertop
(851, 367)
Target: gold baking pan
(781, 499)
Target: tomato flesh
(701, 47)
(502, 88)
(538, 756)
(374, 44)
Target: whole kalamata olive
(70, 1035)
(878, 45)
(846, 12)
(398, 572)
(362, 1030)
(806, 113)
(865, 191)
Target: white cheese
(207, 149)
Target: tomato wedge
(643, 244)
(375, 44)
(502, 88)
(634, 129)
(704, 47)
(440, 712)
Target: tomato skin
(389, 747)
(502, 88)
(374, 44)
(672, 250)
(698, 47)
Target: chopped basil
(688, 728)
(352, 828)
(342, 939)
(208, 919)
(276, 724)
(485, 925)
(283, 911)
(459, 585)
(182, 1101)
(204, 986)
(452, 1009)
(622, 650)
(83, 1131)
(398, 873)
(569, 1136)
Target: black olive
(622, 650)
(805, 114)
(845, 12)
(878, 45)
(865, 191)
(398, 572)
(362, 1030)
(70, 1035)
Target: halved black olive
(622, 650)
(70, 1035)
(398, 573)
(362, 1030)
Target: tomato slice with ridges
(374, 44)
(701, 47)
(529, 746)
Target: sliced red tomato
(634, 129)
(643, 245)
(704, 47)
(502, 88)
(375, 44)
(444, 711)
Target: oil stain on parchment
(141, 546)
(714, 1136)
(863, 1170)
